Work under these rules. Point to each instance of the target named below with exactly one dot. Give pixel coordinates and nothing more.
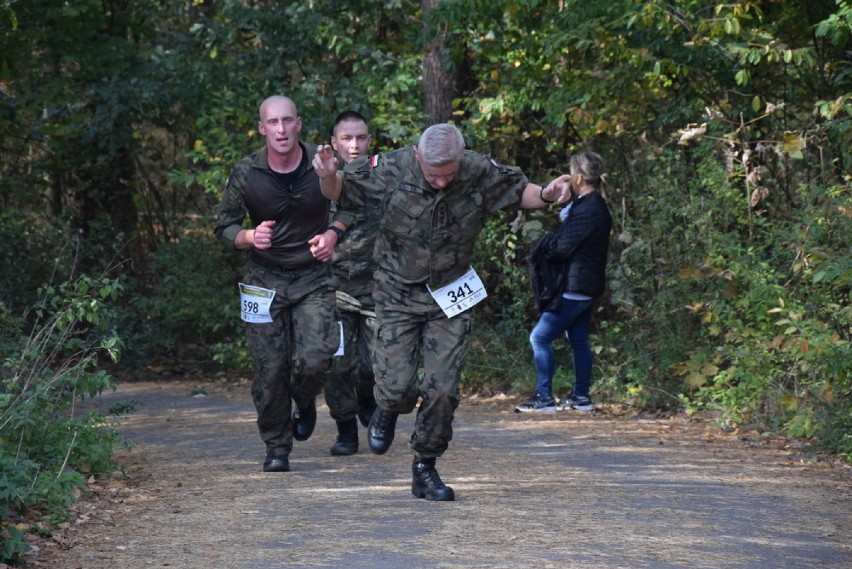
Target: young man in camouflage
(432, 200)
(287, 294)
(349, 389)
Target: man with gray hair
(432, 200)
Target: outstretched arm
(325, 164)
(557, 191)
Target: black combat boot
(347, 438)
(304, 421)
(427, 484)
(278, 463)
(366, 408)
(381, 430)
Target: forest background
(726, 129)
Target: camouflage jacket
(426, 236)
(300, 209)
(353, 257)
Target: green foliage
(782, 357)
(837, 27)
(47, 448)
(181, 290)
(12, 544)
(726, 130)
(42, 252)
(756, 307)
(499, 261)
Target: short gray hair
(589, 165)
(441, 144)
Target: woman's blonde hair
(589, 165)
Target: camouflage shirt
(426, 236)
(294, 201)
(353, 255)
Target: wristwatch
(336, 230)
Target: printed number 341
(462, 292)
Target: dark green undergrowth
(726, 134)
(48, 448)
(713, 304)
(710, 307)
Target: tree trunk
(438, 84)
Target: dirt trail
(561, 490)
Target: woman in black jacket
(574, 260)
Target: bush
(46, 451)
(784, 344)
(714, 302)
(189, 285)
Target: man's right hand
(263, 235)
(325, 165)
(324, 162)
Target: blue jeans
(573, 317)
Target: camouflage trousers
(352, 373)
(411, 330)
(292, 354)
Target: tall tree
(438, 81)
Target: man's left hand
(558, 190)
(322, 246)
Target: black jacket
(573, 258)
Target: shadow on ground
(560, 490)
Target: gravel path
(560, 490)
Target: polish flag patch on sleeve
(374, 160)
(495, 163)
